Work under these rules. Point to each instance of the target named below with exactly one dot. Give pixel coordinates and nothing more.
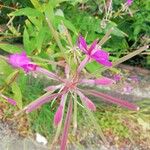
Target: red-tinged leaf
(58, 115)
(40, 101)
(111, 99)
(86, 101)
(66, 126)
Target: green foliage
(27, 12)
(109, 119)
(17, 94)
(42, 121)
(10, 48)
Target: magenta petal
(104, 81)
(58, 115)
(101, 54)
(104, 62)
(102, 57)
(82, 44)
(29, 67)
(129, 2)
(18, 60)
(22, 61)
(92, 47)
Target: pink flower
(93, 52)
(22, 61)
(129, 2)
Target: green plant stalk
(130, 55)
(10, 81)
(8, 7)
(67, 35)
(123, 59)
(56, 37)
(106, 37)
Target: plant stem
(106, 37)
(123, 59)
(8, 7)
(56, 37)
(75, 114)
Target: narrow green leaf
(116, 31)
(40, 38)
(54, 3)
(37, 5)
(67, 23)
(10, 48)
(27, 12)
(26, 41)
(11, 77)
(5, 68)
(17, 94)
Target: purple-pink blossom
(129, 2)
(22, 61)
(94, 52)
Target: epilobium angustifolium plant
(69, 88)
